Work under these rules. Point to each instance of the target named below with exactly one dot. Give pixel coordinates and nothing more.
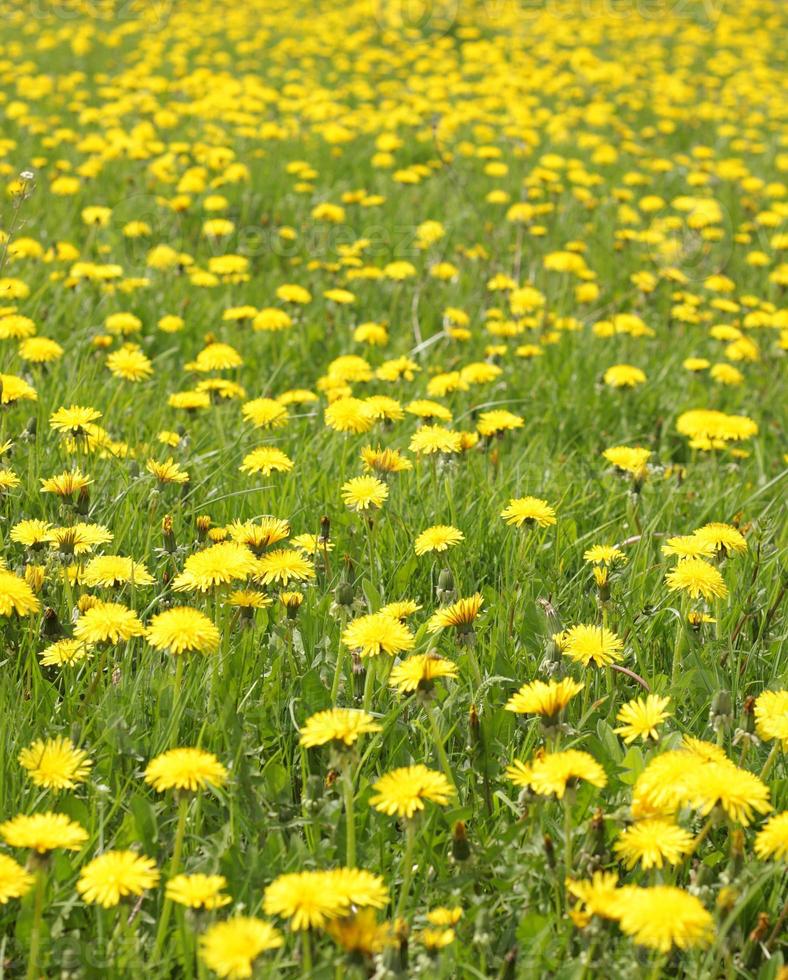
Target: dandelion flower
(230, 948)
(553, 772)
(64, 653)
(15, 881)
(185, 769)
(167, 472)
(44, 832)
(591, 645)
(460, 614)
(604, 554)
(697, 578)
(377, 633)
(771, 716)
(183, 630)
(310, 899)
(112, 571)
(595, 897)
(403, 792)
(219, 564)
(108, 622)
(55, 764)
(430, 439)
(439, 537)
(74, 421)
(198, 891)
(641, 717)
(266, 460)
(419, 672)
(283, 566)
(364, 492)
(540, 698)
(115, 875)
(662, 916)
(16, 596)
(339, 726)
(530, 511)
(652, 843)
(724, 538)
(772, 839)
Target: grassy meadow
(392, 476)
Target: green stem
(35, 932)
(177, 685)
(704, 833)
(429, 711)
(368, 683)
(338, 668)
(350, 816)
(306, 953)
(180, 833)
(567, 836)
(678, 645)
(770, 759)
(407, 867)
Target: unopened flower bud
(50, 625)
(602, 580)
(343, 594)
(460, 847)
(446, 588)
(721, 712)
(549, 850)
(82, 505)
(34, 576)
(748, 715)
(203, 523)
(168, 533)
(325, 529)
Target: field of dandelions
(392, 457)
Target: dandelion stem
(368, 684)
(180, 833)
(770, 759)
(35, 932)
(568, 835)
(407, 866)
(306, 953)
(429, 711)
(704, 833)
(177, 686)
(350, 816)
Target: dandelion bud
(748, 715)
(474, 727)
(83, 501)
(446, 588)
(292, 603)
(167, 533)
(343, 594)
(34, 576)
(549, 850)
(759, 932)
(721, 712)
(509, 971)
(602, 580)
(50, 625)
(460, 847)
(86, 602)
(736, 853)
(203, 523)
(325, 530)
